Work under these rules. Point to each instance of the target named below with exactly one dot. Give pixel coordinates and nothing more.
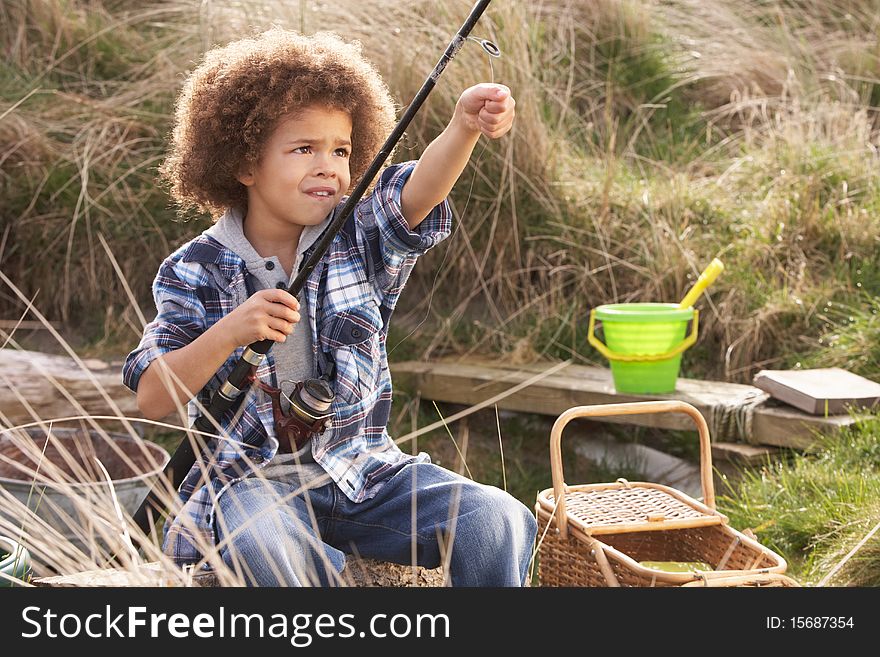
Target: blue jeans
(274, 534)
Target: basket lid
(631, 507)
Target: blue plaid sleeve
(392, 248)
(180, 317)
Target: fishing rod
(231, 393)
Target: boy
(270, 133)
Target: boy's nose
(324, 168)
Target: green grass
(814, 508)
(851, 338)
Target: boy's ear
(245, 175)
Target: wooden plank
(148, 574)
(24, 375)
(574, 386)
(577, 385)
(357, 572)
(786, 426)
(27, 390)
(741, 454)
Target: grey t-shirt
(294, 360)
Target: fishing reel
(308, 416)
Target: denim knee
(503, 511)
(494, 541)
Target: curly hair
(232, 101)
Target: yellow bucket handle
(629, 358)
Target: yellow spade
(705, 280)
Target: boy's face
(303, 170)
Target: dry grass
(651, 137)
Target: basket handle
(632, 408)
(744, 580)
(603, 349)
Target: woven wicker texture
(572, 561)
(624, 505)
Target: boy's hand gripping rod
(229, 395)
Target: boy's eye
(302, 149)
(342, 152)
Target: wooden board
(785, 426)
(149, 574)
(26, 389)
(357, 572)
(30, 382)
(740, 454)
(579, 385)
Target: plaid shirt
(349, 296)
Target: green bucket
(15, 562)
(645, 342)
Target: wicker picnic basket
(601, 534)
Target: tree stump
(367, 572)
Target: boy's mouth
(321, 192)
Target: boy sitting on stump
(271, 133)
